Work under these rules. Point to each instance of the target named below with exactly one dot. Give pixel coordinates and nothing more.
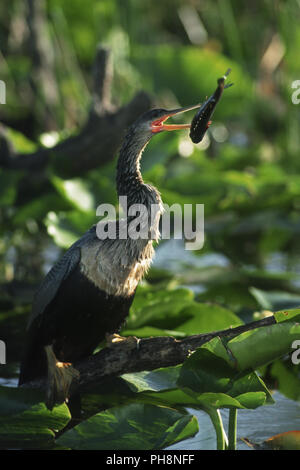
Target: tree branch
(102, 78)
(98, 140)
(144, 354)
(45, 95)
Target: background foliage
(245, 172)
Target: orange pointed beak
(159, 124)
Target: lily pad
(26, 422)
(131, 427)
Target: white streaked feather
(117, 266)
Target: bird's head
(146, 126)
(154, 121)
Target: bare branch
(102, 78)
(151, 353)
(42, 78)
(98, 140)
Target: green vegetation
(246, 172)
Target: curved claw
(129, 342)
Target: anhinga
(88, 292)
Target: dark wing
(60, 271)
(50, 285)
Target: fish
(201, 120)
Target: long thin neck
(129, 178)
(131, 184)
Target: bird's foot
(60, 377)
(129, 342)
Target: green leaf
(205, 372)
(252, 400)
(285, 315)
(157, 380)
(273, 300)
(159, 308)
(61, 231)
(37, 209)
(25, 421)
(212, 370)
(233, 295)
(146, 331)
(20, 142)
(266, 344)
(76, 192)
(160, 386)
(286, 375)
(8, 185)
(205, 317)
(185, 427)
(187, 398)
(165, 63)
(131, 427)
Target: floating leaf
(26, 422)
(131, 427)
(212, 370)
